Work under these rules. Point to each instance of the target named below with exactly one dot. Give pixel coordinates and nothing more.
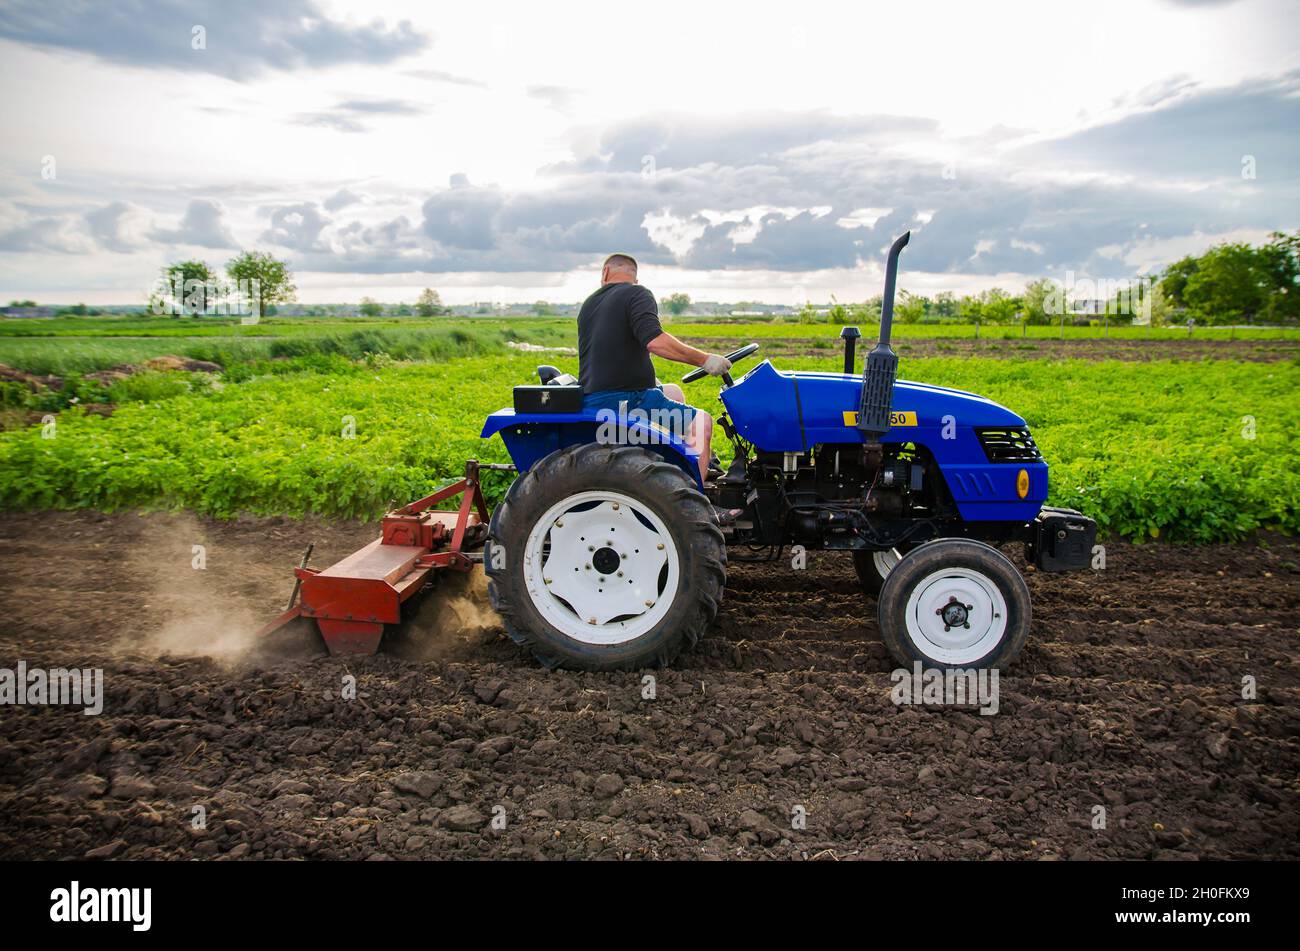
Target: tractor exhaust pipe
(881, 365)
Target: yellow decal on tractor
(902, 418)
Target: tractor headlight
(1022, 483)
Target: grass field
(84, 345)
(267, 327)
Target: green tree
(370, 307)
(945, 306)
(189, 288)
(837, 313)
(868, 312)
(1162, 312)
(676, 304)
(1235, 281)
(910, 308)
(541, 307)
(429, 303)
(999, 307)
(1174, 281)
(1229, 285)
(268, 279)
(1042, 301)
(970, 309)
(1280, 261)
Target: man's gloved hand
(715, 365)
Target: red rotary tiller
(352, 600)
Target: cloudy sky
(748, 150)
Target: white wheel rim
(885, 561)
(594, 571)
(960, 595)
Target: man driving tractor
(618, 330)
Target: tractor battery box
(548, 399)
(1061, 540)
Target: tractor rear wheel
(954, 603)
(605, 558)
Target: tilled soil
(1033, 348)
(1127, 699)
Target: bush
(150, 386)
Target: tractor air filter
(877, 390)
(881, 365)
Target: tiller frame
(352, 600)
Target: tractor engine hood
(792, 411)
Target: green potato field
(1197, 451)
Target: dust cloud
(452, 619)
(198, 594)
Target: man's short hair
(622, 262)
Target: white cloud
(863, 217)
(203, 225)
(1033, 246)
(333, 143)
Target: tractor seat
(559, 393)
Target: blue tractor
(608, 552)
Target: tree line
(191, 288)
(1231, 283)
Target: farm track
(1128, 697)
(1015, 348)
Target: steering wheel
(748, 350)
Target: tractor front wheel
(954, 603)
(605, 558)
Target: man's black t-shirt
(614, 326)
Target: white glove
(715, 365)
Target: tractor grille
(1009, 445)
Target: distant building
(27, 311)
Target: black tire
(963, 556)
(869, 576)
(661, 487)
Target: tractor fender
(531, 437)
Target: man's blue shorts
(659, 409)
